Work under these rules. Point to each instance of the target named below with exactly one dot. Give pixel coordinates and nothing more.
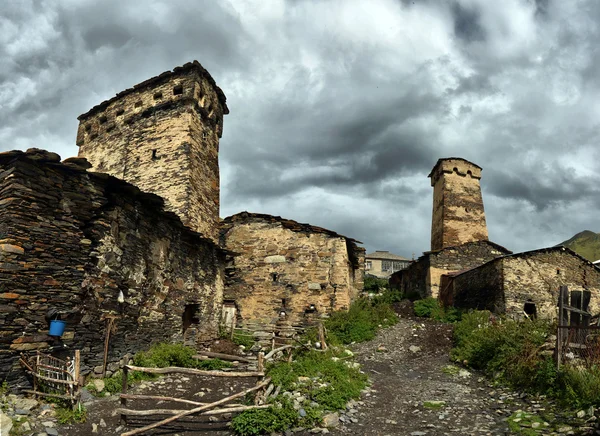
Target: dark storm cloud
(338, 111)
(466, 23)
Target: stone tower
(458, 215)
(162, 135)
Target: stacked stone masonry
(505, 284)
(281, 265)
(72, 240)
(423, 277)
(163, 136)
(458, 214)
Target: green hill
(586, 244)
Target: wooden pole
(76, 370)
(151, 412)
(271, 353)
(222, 356)
(196, 410)
(124, 392)
(109, 325)
(174, 369)
(261, 362)
(159, 398)
(322, 336)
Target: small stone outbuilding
(75, 242)
(423, 278)
(525, 282)
(285, 269)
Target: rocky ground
(416, 391)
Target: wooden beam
(159, 398)
(151, 412)
(174, 369)
(222, 356)
(44, 394)
(197, 409)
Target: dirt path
(415, 392)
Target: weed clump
(361, 322)
(432, 308)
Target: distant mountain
(586, 244)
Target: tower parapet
(162, 135)
(458, 213)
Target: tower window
(154, 154)
(274, 276)
(138, 104)
(158, 96)
(103, 119)
(120, 112)
(178, 90)
(204, 135)
(88, 127)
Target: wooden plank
(151, 412)
(585, 305)
(159, 398)
(197, 409)
(124, 392)
(174, 369)
(559, 332)
(222, 356)
(53, 380)
(575, 310)
(44, 394)
(563, 315)
(576, 299)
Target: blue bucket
(57, 328)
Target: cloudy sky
(339, 108)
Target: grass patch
(526, 424)
(360, 323)
(432, 308)
(65, 414)
(243, 337)
(435, 405)
(451, 370)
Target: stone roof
(379, 254)
(439, 161)
(530, 253)
(493, 244)
(161, 78)
(111, 184)
(286, 223)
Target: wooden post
(124, 391)
(76, 370)
(563, 295)
(261, 362)
(322, 336)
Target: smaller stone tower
(162, 135)
(458, 215)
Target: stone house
(282, 269)
(423, 277)
(525, 282)
(74, 241)
(382, 264)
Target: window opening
(190, 316)
(158, 96)
(178, 90)
(138, 104)
(120, 112)
(154, 154)
(275, 277)
(103, 119)
(530, 308)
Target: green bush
(279, 417)
(342, 381)
(243, 337)
(374, 284)
(66, 415)
(432, 308)
(360, 323)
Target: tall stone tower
(162, 135)
(458, 215)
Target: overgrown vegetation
(361, 322)
(327, 380)
(509, 351)
(67, 415)
(432, 308)
(158, 356)
(243, 337)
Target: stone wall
(163, 136)
(71, 240)
(531, 276)
(423, 276)
(458, 214)
(282, 265)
